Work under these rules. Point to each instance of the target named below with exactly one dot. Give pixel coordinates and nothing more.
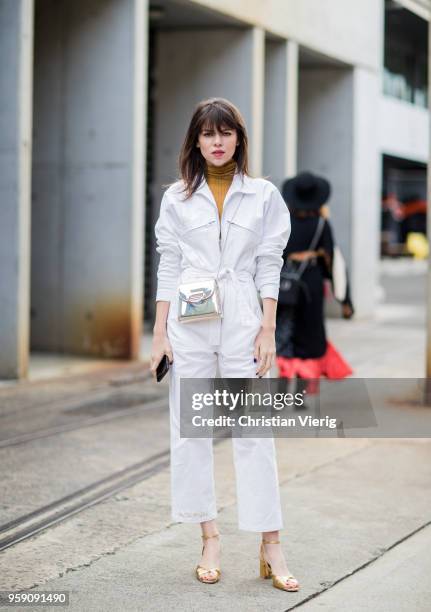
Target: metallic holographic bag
(199, 299)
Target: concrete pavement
(345, 506)
(357, 518)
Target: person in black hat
(301, 344)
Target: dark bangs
(217, 117)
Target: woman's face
(217, 147)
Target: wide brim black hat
(306, 190)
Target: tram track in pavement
(34, 522)
(28, 525)
(107, 402)
(100, 406)
(123, 398)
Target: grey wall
(280, 110)
(345, 30)
(193, 65)
(83, 200)
(16, 30)
(338, 139)
(366, 187)
(197, 64)
(275, 112)
(325, 140)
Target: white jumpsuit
(190, 238)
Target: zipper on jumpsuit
(219, 219)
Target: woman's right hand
(161, 346)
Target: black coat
(300, 330)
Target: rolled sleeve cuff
(164, 295)
(269, 291)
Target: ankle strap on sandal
(206, 537)
(271, 541)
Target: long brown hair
(211, 113)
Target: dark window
(406, 55)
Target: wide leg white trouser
(197, 348)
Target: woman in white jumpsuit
(190, 238)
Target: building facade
(95, 98)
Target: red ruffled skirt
(331, 365)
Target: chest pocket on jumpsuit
(198, 240)
(245, 234)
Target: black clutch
(162, 368)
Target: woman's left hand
(264, 349)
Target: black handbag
(291, 284)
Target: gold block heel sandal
(201, 571)
(285, 583)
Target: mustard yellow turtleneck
(219, 179)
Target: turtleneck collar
(226, 171)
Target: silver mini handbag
(199, 299)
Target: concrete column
(90, 110)
(292, 64)
(366, 193)
(255, 124)
(428, 306)
(212, 62)
(338, 139)
(325, 140)
(281, 110)
(137, 229)
(16, 66)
